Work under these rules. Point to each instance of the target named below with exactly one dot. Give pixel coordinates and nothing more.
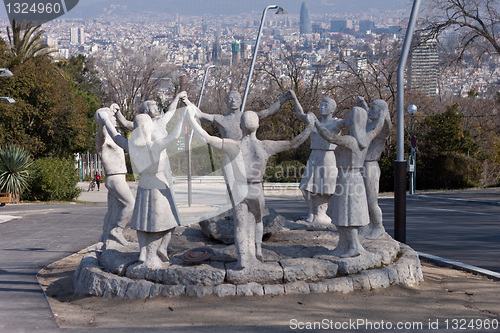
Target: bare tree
(477, 21)
(133, 75)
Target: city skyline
(88, 9)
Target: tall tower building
(217, 50)
(77, 36)
(236, 53)
(424, 66)
(305, 19)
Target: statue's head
(249, 122)
(111, 116)
(233, 100)
(150, 108)
(376, 107)
(327, 106)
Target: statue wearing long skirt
(348, 207)
(371, 175)
(120, 198)
(155, 215)
(320, 176)
(160, 122)
(254, 155)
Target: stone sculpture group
(342, 235)
(340, 184)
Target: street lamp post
(400, 163)
(412, 163)
(280, 10)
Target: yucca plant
(15, 163)
(26, 41)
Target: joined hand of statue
(103, 115)
(311, 118)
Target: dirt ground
(445, 294)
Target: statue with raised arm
(229, 123)
(371, 175)
(160, 122)
(348, 207)
(319, 178)
(120, 198)
(252, 155)
(155, 215)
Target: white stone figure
(348, 207)
(255, 154)
(160, 122)
(155, 215)
(120, 198)
(320, 176)
(371, 175)
(228, 125)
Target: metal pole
(250, 73)
(190, 187)
(400, 163)
(412, 161)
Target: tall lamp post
(400, 163)
(412, 162)
(280, 10)
(190, 188)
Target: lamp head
(412, 109)
(8, 100)
(281, 11)
(5, 72)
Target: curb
(458, 265)
(472, 202)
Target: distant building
(178, 30)
(77, 36)
(236, 53)
(305, 20)
(217, 50)
(244, 51)
(340, 25)
(366, 25)
(424, 66)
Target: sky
(92, 8)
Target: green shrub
(53, 179)
(285, 172)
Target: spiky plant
(26, 41)
(15, 162)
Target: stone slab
(308, 269)
(268, 273)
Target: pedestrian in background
(98, 178)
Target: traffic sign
(413, 141)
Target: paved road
(464, 230)
(43, 234)
(458, 225)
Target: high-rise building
(217, 50)
(366, 25)
(77, 36)
(424, 66)
(305, 19)
(340, 25)
(235, 48)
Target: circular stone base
(297, 259)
